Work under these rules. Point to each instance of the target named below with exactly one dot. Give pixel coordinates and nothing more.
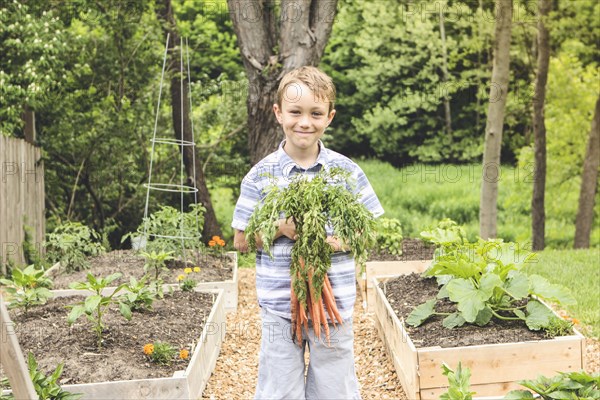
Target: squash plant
(485, 279)
(312, 203)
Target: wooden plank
(12, 359)
(204, 360)
(491, 389)
(502, 362)
(398, 344)
(150, 389)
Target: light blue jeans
(331, 373)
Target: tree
(589, 184)
(270, 49)
(538, 213)
(180, 95)
(495, 118)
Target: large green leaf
(541, 287)
(470, 300)
(91, 303)
(421, 313)
(538, 315)
(453, 320)
(517, 285)
(519, 395)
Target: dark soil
(412, 249)
(213, 268)
(177, 319)
(408, 291)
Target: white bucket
(138, 243)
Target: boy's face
(302, 117)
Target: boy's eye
(317, 114)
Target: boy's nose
(304, 121)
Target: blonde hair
(316, 80)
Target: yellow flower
(181, 277)
(184, 354)
(187, 270)
(196, 269)
(148, 348)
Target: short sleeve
(367, 194)
(250, 195)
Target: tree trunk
(446, 76)
(28, 117)
(181, 120)
(538, 213)
(589, 185)
(270, 50)
(493, 130)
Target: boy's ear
(277, 112)
(331, 115)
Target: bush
(71, 244)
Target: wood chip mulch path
(236, 371)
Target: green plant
(27, 287)
(565, 385)
(156, 262)
(485, 280)
(459, 383)
(71, 243)
(186, 282)
(389, 235)
(168, 222)
(138, 295)
(46, 387)
(94, 307)
(311, 204)
(160, 352)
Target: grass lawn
(579, 270)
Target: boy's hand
(286, 227)
(336, 244)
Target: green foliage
(313, 203)
(156, 262)
(46, 387)
(169, 221)
(71, 244)
(33, 45)
(163, 353)
(138, 295)
(389, 235)
(564, 386)
(27, 287)
(485, 280)
(188, 284)
(95, 306)
(459, 382)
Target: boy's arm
(284, 228)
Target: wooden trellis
(12, 359)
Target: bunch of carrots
(316, 304)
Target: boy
(305, 108)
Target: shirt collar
(287, 164)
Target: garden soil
(177, 319)
(213, 268)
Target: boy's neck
(304, 158)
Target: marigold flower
(221, 243)
(181, 277)
(184, 354)
(212, 243)
(216, 238)
(148, 349)
(575, 321)
(187, 270)
(196, 269)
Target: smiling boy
(304, 109)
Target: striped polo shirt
(273, 275)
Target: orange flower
(148, 349)
(184, 354)
(221, 243)
(575, 321)
(216, 238)
(212, 243)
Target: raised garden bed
(216, 272)
(416, 256)
(191, 320)
(497, 358)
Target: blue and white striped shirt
(273, 275)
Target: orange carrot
(331, 300)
